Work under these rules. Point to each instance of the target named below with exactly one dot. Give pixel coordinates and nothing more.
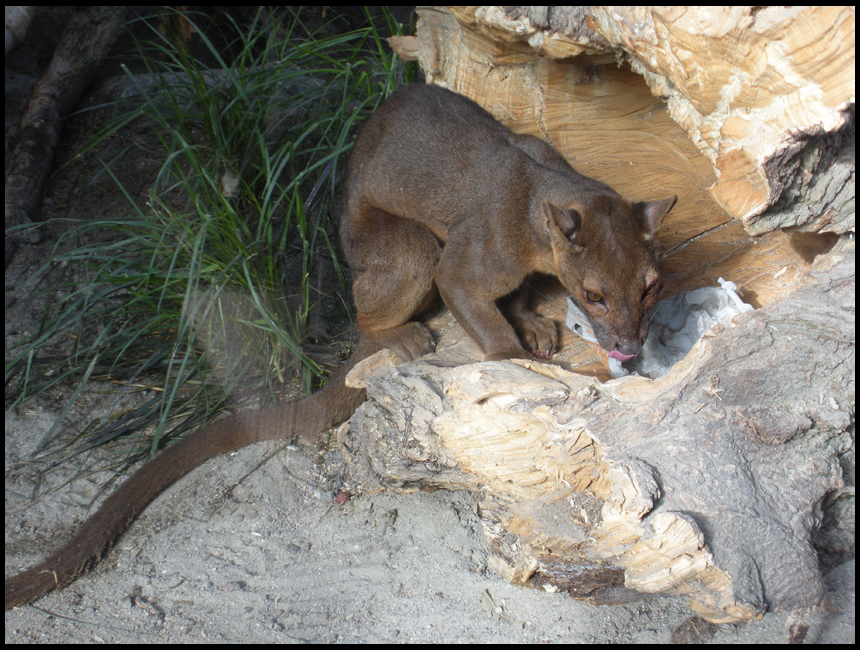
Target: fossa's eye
(591, 296)
(650, 290)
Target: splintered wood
(707, 482)
(703, 483)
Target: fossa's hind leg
(392, 261)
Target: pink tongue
(615, 354)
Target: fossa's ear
(567, 221)
(650, 214)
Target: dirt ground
(244, 551)
(277, 560)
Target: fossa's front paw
(539, 335)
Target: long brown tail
(333, 404)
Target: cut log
(711, 480)
(707, 482)
(747, 113)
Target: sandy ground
(277, 560)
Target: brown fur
(442, 196)
(439, 196)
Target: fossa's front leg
(470, 293)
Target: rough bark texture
(708, 482)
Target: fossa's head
(605, 256)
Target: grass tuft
(210, 286)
